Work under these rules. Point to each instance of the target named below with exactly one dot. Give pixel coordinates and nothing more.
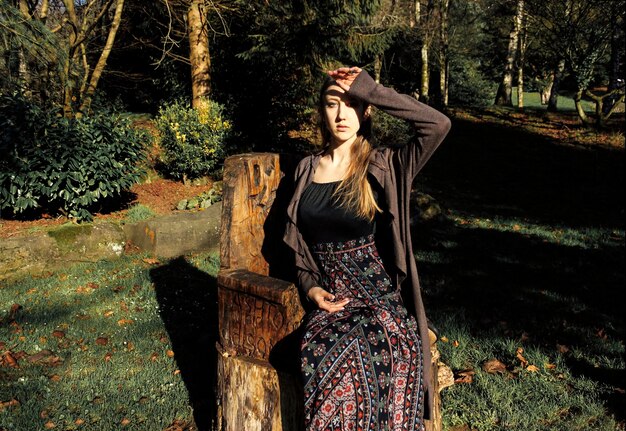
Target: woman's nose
(341, 109)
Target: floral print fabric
(362, 367)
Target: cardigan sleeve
(431, 125)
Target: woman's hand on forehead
(345, 76)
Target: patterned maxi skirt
(362, 367)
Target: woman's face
(342, 114)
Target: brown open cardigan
(394, 169)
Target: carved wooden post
(255, 311)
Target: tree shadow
(187, 300)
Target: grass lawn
(522, 276)
(116, 345)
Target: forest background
(523, 261)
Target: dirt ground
(161, 195)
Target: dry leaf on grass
(464, 376)
(7, 404)
(494, 366)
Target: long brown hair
(354, 192)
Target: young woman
(365, 357)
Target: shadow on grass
(520, 285)
(187, 300)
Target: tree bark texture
(521, 41)
(199, 55)
(444, 6)
(88, 92)
(503, 96)
(556, 84)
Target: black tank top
(321, 219)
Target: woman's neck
(340, 152)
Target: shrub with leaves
(192, 140)
(64, 165)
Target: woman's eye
(331, 104)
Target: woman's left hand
(345, 76)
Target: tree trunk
(425, 74)
(617, 39)
(579, 107)
(556, 83)
(503, 96)
(199, 55)
(378, 65)
(102, 61)
(443, 52)
(426, 24)
(520, 64)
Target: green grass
(120, 356)
(530, 255)
(138, 212)
(533, 100)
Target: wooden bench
(259, 311)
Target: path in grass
(530, 257)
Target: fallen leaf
(102, 341)
(49, 425)
(154, 356)
(465, 376)
(532, 368)
(6, 404)
(455, 343)
(9, 360)
(109, 313)
(562, 348)
(108, 357)
(43, 414)
(522, 359)
(550, 366)
(58, 334)
(444, 339)
(151, 261)
(92, 285)
(176, 372)
(130, 346)
(79, 422)
(45, 357)
(125, 422)
(15, 308)
(170, 353)
(494, 366)
(55, 378)
(124, 322)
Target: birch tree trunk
(443, 52)
(520, 64)
(425, 24)
(102, 61)
(503, 96)
(199, 55)
(556, 83)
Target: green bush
(192, 140)
(64, 165)
(389, 130)
(468, 85)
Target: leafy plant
(204, 200)
(138, 212)
(64, 165)
(192, 140)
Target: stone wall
(165, 236)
